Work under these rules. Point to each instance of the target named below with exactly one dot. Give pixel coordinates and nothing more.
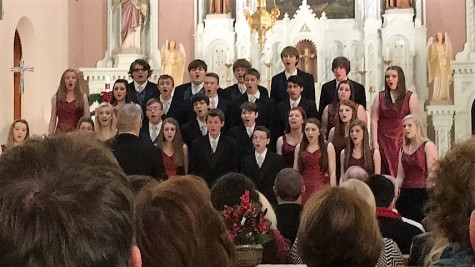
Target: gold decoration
(261, 21)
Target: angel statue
(173, 61)
(439, 65)
(133, 16)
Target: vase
(248, 255)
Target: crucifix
(21, 69)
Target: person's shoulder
(235, 130)
(183, 86)
(303, 73)
(231, 87)
(455, 255)
(279, 75)
(329, 83)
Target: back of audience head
(176, 225)
(355, 172)
(288, 186)
(452, 197)
(138, 182)
(335, 226)
(85, 124)
(229, 188)
(69, 206)
(19, 131)
(129, 118)
(383, 190)
(363, 190)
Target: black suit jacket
(137, 156)
(176, 111)
(150, 91)
(230, 111)
(232, 92)
(239, 134)
(283, 109)
(264, 176)
(288, 216)
(399, 231)
(210, 166)
(328, 94)
(190, 132)
(278, 90)
(145, 134)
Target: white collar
(159, 127)
(216, 100)
(257, 95)
(196, 88)
(250, 129)
(296, 101)
(242, 88)
(200, 123)
(142, 86)
(288, 74)
(165, 101)
(263, 155)
(211, 139)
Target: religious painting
(334, 9)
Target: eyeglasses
(140, 70)
(153, 109)
(257, 138)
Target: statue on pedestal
(392, 4)
(439, 65)
(219, 7)
(133, 16)
(173, 61)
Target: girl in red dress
(416, 160)
(293, 136)
(315, 160)
(119, 94)
(68, 105)
(18, 133)
(387, 112)
(330, 113)
(358, 151)
(174, 151)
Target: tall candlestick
(387, 53)
(108, 83)
(362, 63)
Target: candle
(227, 57)
(362, 64)
(108, 83)
(387, 53)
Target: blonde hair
(420, 135)
(362, 190)
(97, 125)
(61, 93)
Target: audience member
(71, 205)
(135, 155)
(290, 57)
(263, 165)
(68, 104)
(451, 203)
(174, 151)
(17, 134)
(288, 189)
(390, 222)
(176, 225)
(341, 68)
(154, 111)
(214, 154)
(355, 172)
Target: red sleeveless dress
(68, 116)
(314, 179)
(170, 166)
(288, 153)
(390, 131)
(360, 162)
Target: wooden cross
(21, 69)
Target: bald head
(355, 172)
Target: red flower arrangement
(245, 223)
(106, 96)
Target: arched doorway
(17, 55)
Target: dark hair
(71, 205)
(229, 188)
(339, 139)
(401, 87)
(215, 112)
(262, 129)
(241, 63)
(85, 119)
(199, 97)
(141, 62)
(292, 51)
(296, 80)
(334, 225)
(138, 182)
(321, 142)
(288, 184)
(304, 118)
(197, 63)
(176, 219)
(154, 100)
(177, 143)
(383, 190)
(352, 93)
(341, 62)
(367, 155)
(166, 77)
(253, 72)
(113, 101)
(212, 74)
(249, 106)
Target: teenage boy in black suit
(197, 70)
(141, 89)
(341, 68)
(235, 91)
(171, 108)
(294, 89)
(150, 131)
(242, 133)
(263, 165)
(196, 127)
(290, 57)
(214, 154)
(211, 87)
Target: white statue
(439, 65)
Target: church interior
(54, 35)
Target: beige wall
(447, 16)
(43, 29)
